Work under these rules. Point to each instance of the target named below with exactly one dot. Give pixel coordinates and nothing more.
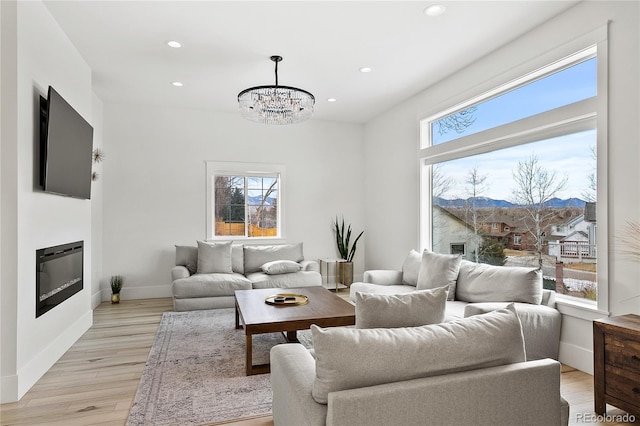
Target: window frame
(214, 168)
(572, 118)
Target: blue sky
(569, 156)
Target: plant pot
(345, 273)
(115, 298)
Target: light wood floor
(94, 383)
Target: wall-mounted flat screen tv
(66, 145)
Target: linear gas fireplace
(59, 274)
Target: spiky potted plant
(346, 250)
(116, 286)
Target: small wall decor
(97, 155)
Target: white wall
(32, 219)
(393, 225)
(154, 185)
(96, 207)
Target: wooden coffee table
(324, 309)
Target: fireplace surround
(59, 274)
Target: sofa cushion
(350, 358)
(209, 285)
(187, 256)
(413, 309)
(256, 256)
(294, 279)
(438, 270)
(455, 310)
(411, 268)
(237, 258)
(479, 282)
(214, 258)
(280, 267)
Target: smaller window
(517, 240)
(458, 248)
(506, 228)
(244, 200)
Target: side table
(327, 263)
(616, 363)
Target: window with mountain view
(512, 177)
(244, 204)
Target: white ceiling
(227, 45)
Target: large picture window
(513, 175)
(244, 200)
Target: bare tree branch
(535, 186)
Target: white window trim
(244, 169)
(571, 121)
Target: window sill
(578, 308)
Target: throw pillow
(256, 256)
(351, 358)
(281, 267)
(187, 256)
(479, 282)
(214, 258)
(438, 270)
(413, 309)
(411, 268)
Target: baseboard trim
(15, 386)
(8, 389)
(132, 293)
(576, 357)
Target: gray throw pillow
(438, 270)
(187, 256)
(281, 267)
(351, 358)
(214, 258)
(411, 268)
(413, 309)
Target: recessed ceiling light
(331, 100)
(434, 10)
(177, 83)
(366, 69)
(174, 44)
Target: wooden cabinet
(616, 356)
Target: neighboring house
(575, 239)
(453, 235)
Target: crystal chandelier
(276, 104)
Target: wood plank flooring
(95, 382)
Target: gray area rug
(195, 373)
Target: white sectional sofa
(206, 276)
(470, 371)
(476, 289)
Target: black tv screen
(66, 144)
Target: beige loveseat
(474, 289)
(206, 276)
(470, 371)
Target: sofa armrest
(293, 371)
(382, 277)
(310, 265)
(179, 272)
(548, 298)
(521, 393)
